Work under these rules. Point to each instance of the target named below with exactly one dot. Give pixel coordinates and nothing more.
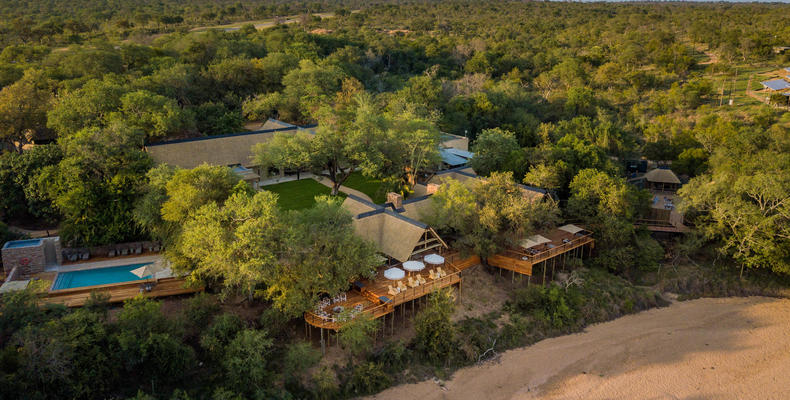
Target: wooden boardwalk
(119, 292)
(374, 297)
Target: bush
(200, 309)
(220, 333)
(367, 378)
(393, 356)
(246, 360)
(435, 340)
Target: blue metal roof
(461, 153)
(787, 69)
(776, 84)
(451, 159)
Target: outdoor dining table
(413, 266)
(394, 274)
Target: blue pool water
(98, 276)
(15, 244)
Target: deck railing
(377, 310)
(546, 254)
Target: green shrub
(367, 378)
(435, 340)
(199, 310)
(393, 356)
(220, 333)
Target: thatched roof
(393, 235)
(661, 175)
(356, 205)
(231, 149)
(416, 207)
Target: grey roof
(776, 84)
(787, 69)
(451, 159)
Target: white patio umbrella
(394, 274)
(434, 259)
(413, 266)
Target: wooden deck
(119, 292)
(522, 261)
(374, 295)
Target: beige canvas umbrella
(150, 269)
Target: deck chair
(421, 279)
(441, 272)
(401, 286)
(432, 274)
(413, 283)
(392, 291)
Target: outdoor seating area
(393, 285)
(537, 249)
(71, 255)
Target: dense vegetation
(551, 95)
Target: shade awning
(394, 274)
(570, 228)
(532, 241)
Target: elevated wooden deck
(522, 261)
(375, 299)
(119, 292)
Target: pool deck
(76, 297)
(119, 292)
(111, 262)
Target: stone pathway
(345, 189)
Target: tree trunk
(335, 188)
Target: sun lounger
(111, 253)
(401, 286)
(392, 291)
(124, 251)
(421, 279)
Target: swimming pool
(97, 276)
(15, 244)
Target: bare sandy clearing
(733, 348)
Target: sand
(733, 348)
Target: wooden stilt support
(323, 345)
(543, 282)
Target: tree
(156, 115)
(246, 361)
(744, 201)
(189, 189)
(237, 243)
(490, 215)
(436, 334)
(356, 334)
(285, 151)
(609, 207)
(414, 144)
(495, 151)
(350, 137)
(20, 195)
(150, 344)
(23, 109)
(322, 256)
(88, 106)
(95, 185)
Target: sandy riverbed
(734, 348)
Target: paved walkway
(345, 189)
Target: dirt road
(735, 348)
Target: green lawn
(298, 195)
(366, 185)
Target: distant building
(662, 179)
(236, 149)
(776, 84)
